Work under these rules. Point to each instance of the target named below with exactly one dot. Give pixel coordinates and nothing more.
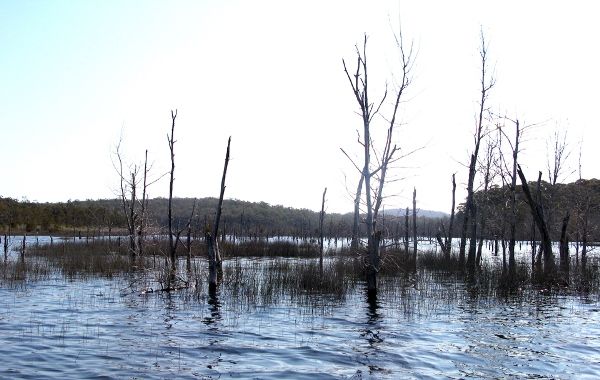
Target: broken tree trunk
(538, 216)
(448, 250)
(414, 212)
(406, 232)
(321, 219)
(214, 254)
(564, 243)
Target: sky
(78, 77)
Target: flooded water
(105, 328)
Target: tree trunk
(451, 225)
(172, 242)
(538, 215)
(321, 219)
(214, 254)
(212, 261)
(189, 247)
(513, 199)
(564, 243)
(406, 232)
(142, 221)
(415, 225)
(373, 267)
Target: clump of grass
(17, 272)
(261, 248)
(80, 259)
(439, 262)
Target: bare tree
(470, 213)
(212, 243)
(375, 165)
(127, 195)
(446, 243)
(414, 212)
(557, 158)
(564, 243)
(487, 167)
(538, 215)
(406, 231)
(173, 236)
(141, 229)
(355, 238)
(321, 219)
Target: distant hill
(420, 213)
(238, 216)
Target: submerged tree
(133, 208)
(537, 213)
(173, 236)
(376, 162)
(212, 241)
(470, 214)
(446, 243)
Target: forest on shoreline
(581, 199)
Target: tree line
(240, 218)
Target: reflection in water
(170, 307)
(371, 332)
(214, 307)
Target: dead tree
(406, 232)
(128, 198)
(141, 229)
(414, 217)
(375, 166)
(564, 243)
(451, 225)
(134, 209)
(488, 176)
(537, 213)
(212, 244)
(446, 243)
(355, 238)
(189, 239)
(513, 191)
(560, 154)
(470, 213)
(173, 236)
(6, 246)
(321, 219)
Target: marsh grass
(256, 272)
(262, 248)
(15, 273)
(94, 258)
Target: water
(105, 328)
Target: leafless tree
(212, 243)
(376, 164)
(487, 167)
(537, 213)
(470, 213)
(133, 208)
(321, 219)
(557, 157)
(128, 186)
(446, 243)
(414, 212)
(406, 231)
(173, 235)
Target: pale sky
(74, 76)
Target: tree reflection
(214, 308)
(371, 331)
(372, 327)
